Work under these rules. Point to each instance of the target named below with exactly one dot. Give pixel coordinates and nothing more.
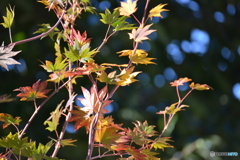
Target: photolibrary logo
(212, 154)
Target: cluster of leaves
(76, 60)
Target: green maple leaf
(44, 28)
(108, 17)
(83, 54)
(121, 24)
(113, 19)
(59, 64)
(9, 18)
(107, 78)
(67, 142)
(55, 116)
(5, 56)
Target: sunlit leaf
(9, 17)
(5, 56)
(106, 132)
(67, 142)
(156, 11)
(81, 117)
(140, 34)
(161, 143)
(129, 7)
(93, 100)
(55, 116)
(107, 78)
(8, 119)
(180, 81)
(200, 87)
(38, 90)
(108, 17)
(59, 64)
(126, 77)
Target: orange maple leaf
(128, 8)
(82, 119)
(156, 11)
(38, 90)
(141, 33)
(180, 81)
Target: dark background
(196, 39)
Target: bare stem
(39, 36)
(145, 12)
(70, 94)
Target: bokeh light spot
(104, 5)
(144, 79)
(236, 90)
(222, 66)
(219, 17)
(159, 80)
(231, 9)
(193, 6)
(151, 109)
(169, 74)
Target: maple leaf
(38, 90)
(106, 132)
(136, 154)
(55, 116)
(161, 143)
(44, 28)
(180, 81)
(9, 17)
(126, 77)
(81, 117)
(107, 78)
(5, 56)
(93, 100)
(156, 11)
(8, 119)
(128, 8)
(141, 33)
(67, 142)
(59, 64)
(6, 98)
(200, 87)
(76, 36)
(139, 57)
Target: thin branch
(39, 107)
(39, 36)
(145, 12)
(71, 96)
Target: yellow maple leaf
(156, 11)
(128, 8)
(141, 57)
(126, 77)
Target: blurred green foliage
(212, 121)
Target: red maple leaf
(38, 90)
